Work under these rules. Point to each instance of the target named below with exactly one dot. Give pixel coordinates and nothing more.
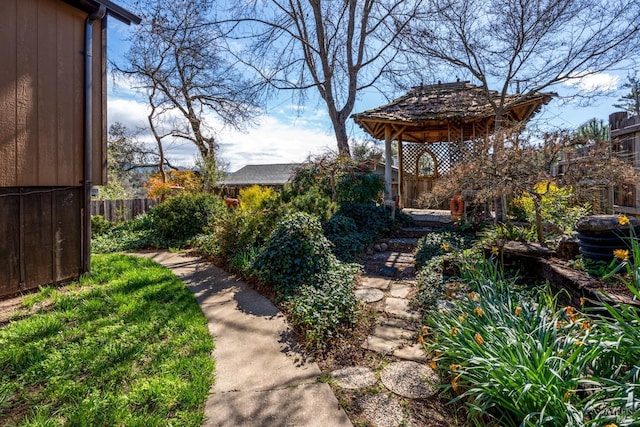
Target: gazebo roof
(428, 113)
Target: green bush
(439, 243)
(186, 215)
(360, 187)
(99, 225)
(347, 241)
(314, 202)
(323, 311)
(297, 253)
(136, 233)
(431, 285)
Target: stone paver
(381, 345)
(369, 295)
(382, 410)
(381, 283)
(399, 290)
(413, 352)
(399, 307)
(354, 377)
(391, 333)
(410, 379)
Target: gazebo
(433, 124)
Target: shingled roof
(428, 110)
(274, 174)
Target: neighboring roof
(440, 105)
(275, 174)
(118, 12)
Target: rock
(377, 247)
(376, 282)
(410, 379)
(382, 410)
(383, 247)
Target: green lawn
(127, 346)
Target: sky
(290, 133)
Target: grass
(127, 347)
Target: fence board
(120, 210)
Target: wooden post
(400, 174)
(388, 168)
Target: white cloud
(599, 82)
(276, 139)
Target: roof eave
(118, 12)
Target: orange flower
(454, 383)
(420, 339)
(579, 343)
(518, 311)
(433, 364)
(438, 353)
(473, 296)
(585, 325)
(570, 310)
(623, 220)
(582, 301)
(454, 331)
(478, 339)
(425, 330)
(611, 425)
(621, 254)
(478, 311)
(454, 367)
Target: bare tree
(336, 47)
(176, 58)
(527, 46)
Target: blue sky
(287, 132)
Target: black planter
(600, 235)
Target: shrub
(296, 253)
(438, 243)
(186, 215)
(99, 225)
(137, 233)
(315, 203)
(324, 310)
(359, 186)
(255, 198)
(431, 285)
(347, 241)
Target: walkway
(262, 378)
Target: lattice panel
(445, 154)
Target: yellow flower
(425, 330)
(478, 339)
(454, 331)
(623, 220)
(585, 325)
(478, 311)
(582, 301)
(454, 367)
(474, 296)
(454, 383)
(461, 318)
(611, 425)
(420, 339)
(445, 246)
(518, 311)
(438, 353)
(495, 250)
(579, 343)
(433, 364)
(622, 254)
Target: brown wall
(40, 236)
(41, 94)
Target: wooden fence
(120, 210)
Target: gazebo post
(388, 164)
(400, 174)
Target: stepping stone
(398, 323)
(388, 271)
(369, 295)
(410, 379)
(399, 290)
(414, 352)
(382, 410)
(381, 345)
(381, 283)
(400, 307)
(354, 377)
(392, 333)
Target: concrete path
(262, 378)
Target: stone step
(403, 244)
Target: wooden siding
(41, 94)
(41, 236)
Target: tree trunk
(340, 129)
(537, 202)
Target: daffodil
(425, 330)
(461, 318)
(474, 296)
(495, 250)
(454, 367)
(454, 383)
(518, 311)
(433, 364)
(622, 254)
(478, 311)
(623, 220)
(582, 301)
(454, 331)
(478, 338)
(585, 325)
(420, 339)
(570, 310)
(445, 247)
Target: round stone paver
(381, 410)
(410, 379)
(354, 377)
(369, 295)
